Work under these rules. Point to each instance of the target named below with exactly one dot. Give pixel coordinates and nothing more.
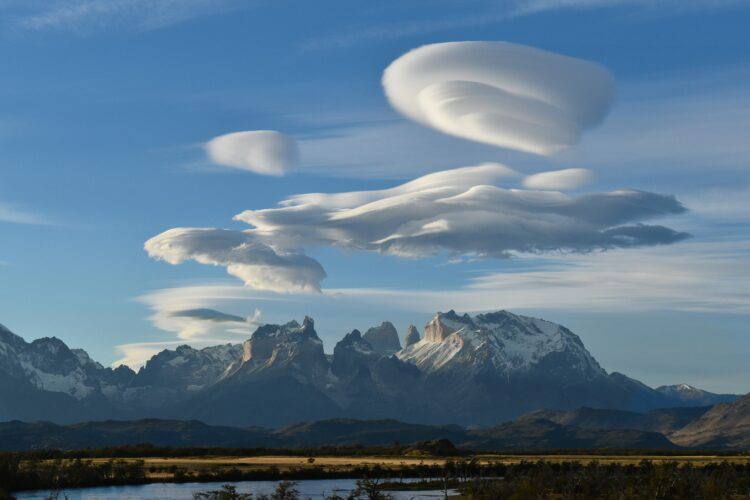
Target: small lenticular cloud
(498, 93)
(243, 255)
(264, 152)
(569, 178)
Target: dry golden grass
(158, 465)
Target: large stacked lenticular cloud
(499, 93)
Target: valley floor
(590, 474)
(163, 468)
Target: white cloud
(12, 213)
(497, 12)
(265, 152)
(700, 277)
(259, 265)
(507, 95)
(461, 212)
(96, 15)
(680, 122)
(673, 124)
(569, 178)
(527, 7)
(190, 326)
(190, 315)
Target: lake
(315, 489)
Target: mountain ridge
(462, 370)
(523, 434)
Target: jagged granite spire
(383, 338)
(412, 336)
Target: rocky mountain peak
(187, 368)
(412, 336)
(9, 338)
(383, 338)
(443, 325)
(352, 352)
(501, 342)
(292, 348)
(353, 338)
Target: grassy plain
(158, 466)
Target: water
(315, 489)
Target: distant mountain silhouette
(523, 434)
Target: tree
(227, 492)
(285, 490)
(369, 489)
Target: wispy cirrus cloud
(528, 7)
(664, 122)
(496, 12)
(12, 213)
(192, 318)
(86, 16)
(702, 276)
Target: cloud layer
(459, 212)
(569, 178)
(244, 256)
(264, 152)
(12, 213)
(498, 93)
(700, 276)
(96, 15)
(462, 212)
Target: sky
(181, 171)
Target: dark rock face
(412, 336)
(352, 353)
(383, 338)
(284, 376)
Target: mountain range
(525, 434)
(464, 370)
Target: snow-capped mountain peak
(502, 341)
(49, 365)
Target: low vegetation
(563, 476)
(646, 480)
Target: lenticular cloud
(259, 265)
(503, 94)
(569, 178)
(265, 152)
(463, 211)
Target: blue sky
(107, 106)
